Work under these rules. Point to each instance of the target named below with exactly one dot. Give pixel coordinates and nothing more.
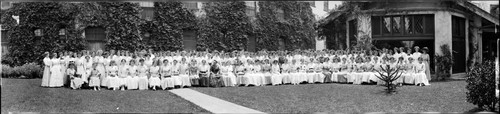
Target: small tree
(481, 86)
(444, 63)
(389, 75)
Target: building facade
(461, 25)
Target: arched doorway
(96, 38)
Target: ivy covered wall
(224, 27)
(295, 27)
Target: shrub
(389, 75)
(30, 70)
(7, 71)
(444, 63)
(481, 86)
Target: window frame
(403, 31)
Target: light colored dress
(46, 72)
(143, 70)
(409, 73)
(183, 74)
(175, 70)
(133, 80)
(420, 76)
(94, 78)
(113, 79)
(123, 76)
(56, 78)
(166, 81)
(154, 80)
(81, 70)
(426, 59)
(276, 77)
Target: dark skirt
(342, 78)
(195, 81)
(216, 80)
(204, 80)
(328, 77)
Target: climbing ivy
(296, 27)
(224, 27)
(50, 17)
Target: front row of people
(166, 75)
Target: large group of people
(143, 70)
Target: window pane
(376, 25)
(5, 37)
(396, 25)
(419, 24)
(408, 24)
(429, 24)
(386, 29)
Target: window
(406, 25)
(280, 14)
(38, 32)
(62, 32)
(5, 37)
(353, 31)
(147, 13)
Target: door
(458, 44)
(189, 40)
(96, 38)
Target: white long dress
(276, 77)
(133, 80)
(113, 80)
(46, 72)
(56, 77)
(154, 80)
(420, 76)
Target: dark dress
(215, 76)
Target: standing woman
(426, 60)
(100, 67)
(80, 66)
(46, 70)
(154, 80)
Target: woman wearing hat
(420, 77)
(426, 60)
(417, 53)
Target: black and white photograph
(250, 57)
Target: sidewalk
(212, 104)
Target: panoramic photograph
(237, 56)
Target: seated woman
(276, 77)
(358, 70)
(167, 82)
(326, 67)
(318, 71)
(175, 71)
(215, 75)
(114, 81)
(76, 80)
(257, 71)
(193, 73)
(184, 74)
(154, 79)
(310, 70)
(286, 72)
(266, 72)
(122, 75)
(228, 76)
(142, 71)
(133, 79)
(204, 74)
(420, 76)
(240, 73)
(351, 70)
(409, 72)
(344, 70)
(367, 68)
(95, 82)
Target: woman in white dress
(266, 72)
(194, 73)
(113, 79)
(318, 71)
(351, 70)
(204, 73)
(358, 70)
(76, 81)
(167, 82)
(94, 81)
(123, 75)
(46, 70)
(258, 75)
(80, 67)
(184, 73)
(426, 59)
(309, 66)
(175, 70)
(133, 79)
(154, 79)
(276, 76)
(335, 68)
(287, 71)
(420, 77)
(143, 72)
(409, 73)
(250, 73)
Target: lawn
(26, 95)
(439, 97)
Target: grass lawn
(26, 95)
(439, 97)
